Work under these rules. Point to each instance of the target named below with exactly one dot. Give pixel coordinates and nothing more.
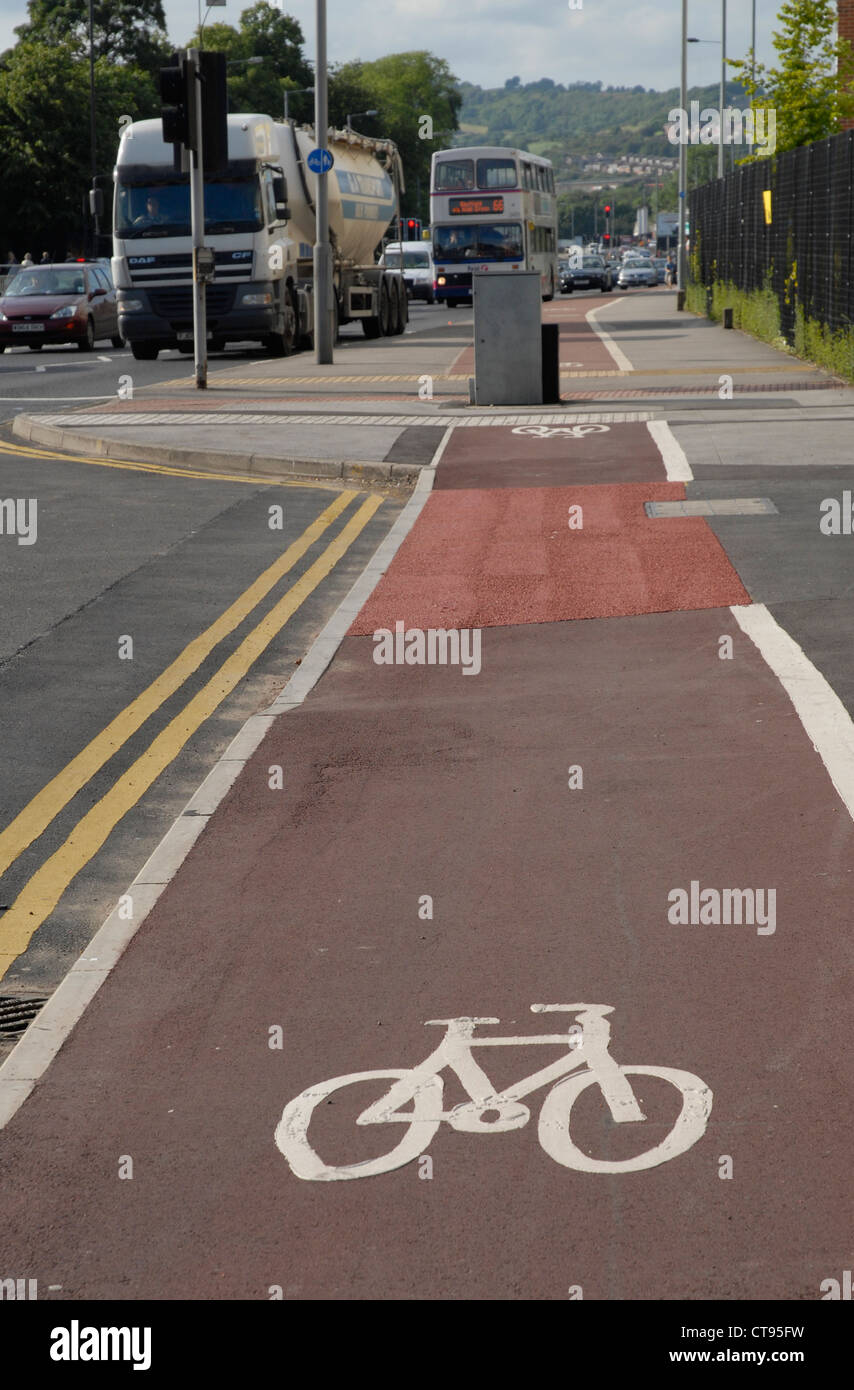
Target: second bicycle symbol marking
(566, 431)
(586, 1062)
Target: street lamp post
(294, 92)
(355, 114)
(93, 143)
(683, 164)
(723, 90)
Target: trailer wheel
(397, 308)
(371, 327)
(385, 309)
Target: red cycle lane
(581, 348)
(449, 845)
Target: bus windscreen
(483, 241)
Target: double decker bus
(491, 209)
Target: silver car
(637, 273)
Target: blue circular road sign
(320, 161)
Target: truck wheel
(385, 309)
(371, 327)
(144, 352)
(283, 344)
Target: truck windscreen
(160, 210)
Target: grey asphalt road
(60, 378)
(121, 553)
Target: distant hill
(583, 118)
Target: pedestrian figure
(669, 271)
(28, 260)
(46, 258)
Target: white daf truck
(260, 221)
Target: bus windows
(455, 176)
(496, 173)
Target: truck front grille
(176, 303)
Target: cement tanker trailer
(260, 222)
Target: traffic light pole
(197, 223)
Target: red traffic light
(608, 207)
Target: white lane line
(825, 719)
(673, 456)
(33, 1054)
(105, 359)
(620, 358)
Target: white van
(417, 267)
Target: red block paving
(498, 457)
(508, 555)
(580, 347)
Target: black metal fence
(805, 254)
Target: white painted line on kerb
(825, 719)
(33, 1054)
(620, 358)
(673, 456)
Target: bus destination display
(475, 207)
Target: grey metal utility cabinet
(508, 352)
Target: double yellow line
(43, 891)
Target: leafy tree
(44, 134)
(404, 88)
(126, 31)
(263, 32)
(811, 88)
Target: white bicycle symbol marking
(568, 431)
(488, 1111)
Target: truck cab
(246, 214)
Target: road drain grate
(17, 1014)
(719, 506)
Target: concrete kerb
(260, 467)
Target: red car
(63, 303)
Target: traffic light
(214, 112)
(607, 209)
(413, 229)
(178, 102)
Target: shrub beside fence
(789, 279)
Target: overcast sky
(617, 42)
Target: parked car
(637, 272)
(415, 259)
(591, 273)
(68, 302)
